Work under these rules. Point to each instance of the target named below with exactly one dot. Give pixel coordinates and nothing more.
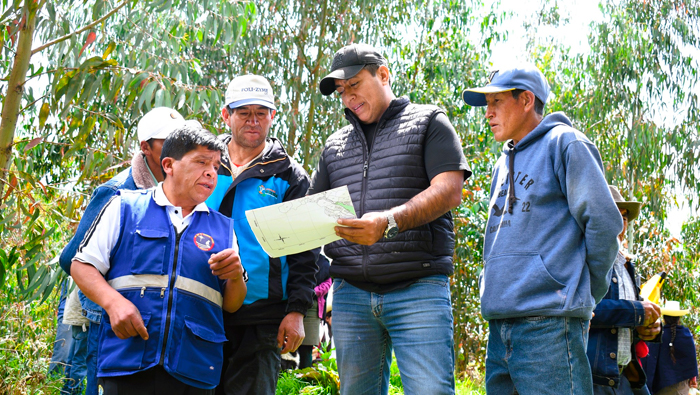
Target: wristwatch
(392, 229)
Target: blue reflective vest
(167, 277)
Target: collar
(236, 170)
(395, 107)
(274, 158)
(162, 200)
(155, 181)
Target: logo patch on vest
(203, 241)
(267, 192)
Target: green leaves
(147, 95)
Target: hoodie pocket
(518, 284)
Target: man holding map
(258, 173)
(404, 167)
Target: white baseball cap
(250, 89)
(159, 123)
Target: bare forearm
(124, 317)
(93, 285)
(444, 194)
(234, 294)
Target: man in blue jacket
(163, 266)
(144, 173)
(257, 172)
(550, 240)
(621, 319)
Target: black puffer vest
(388, 176)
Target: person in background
(313, 318)
(257, 172)
(621, 321)
(70, 347)
(76, 369)
(672, 366)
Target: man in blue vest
(404, 167)
(144, 173)
(163, 266)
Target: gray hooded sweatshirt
(551, 236)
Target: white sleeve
(102, 236)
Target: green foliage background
(81, 103)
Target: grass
(27, 332)
(322, 379)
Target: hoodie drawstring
(511, 182)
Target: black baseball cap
(349, 61)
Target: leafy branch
(88, 27)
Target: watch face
(392, 232)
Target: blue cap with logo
(525, 76)
(250, 89)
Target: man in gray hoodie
(550, 240)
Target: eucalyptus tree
(635, 93)
(101, 64)
(638, 98)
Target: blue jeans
(93, 312)
(415, 321)
(64, 339)
(538, 355)
(93, 339)
(75, 368)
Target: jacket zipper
(366, 155)
(170, 297)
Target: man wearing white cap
(549, 244)
(145, 172)
(258, 173)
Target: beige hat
(631, 207)
(673, 308)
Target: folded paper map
(301, 224)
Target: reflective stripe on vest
(197, 288)
(158, 281)
(139, 281)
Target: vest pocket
(120, 355)
(201, 353)
(149, 251)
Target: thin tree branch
(32, 103)
(88, 27)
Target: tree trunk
(15, 88)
